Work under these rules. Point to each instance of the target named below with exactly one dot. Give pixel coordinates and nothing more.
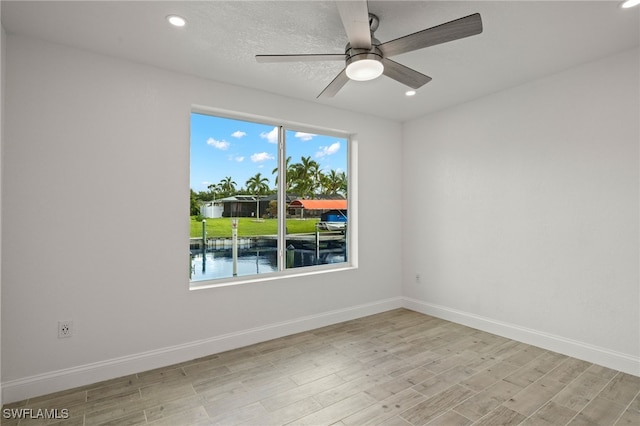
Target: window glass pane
(316, 185)
(244, 221)
(232, 183)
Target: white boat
(332, 226)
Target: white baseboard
(584, 351)
(41, 384)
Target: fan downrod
(373, 22)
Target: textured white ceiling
(521, 41)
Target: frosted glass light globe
(364, 69)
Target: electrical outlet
(65, 329)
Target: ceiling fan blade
(404, 75)
(333, 87)
(301, 58)
(453, 30)
(355, 19)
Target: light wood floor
(395, 368)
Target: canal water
(218, 263)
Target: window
(266, 198)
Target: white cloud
(238, 158)
(328, 150)
(259, 157)
(304, 136)
(222, 145)
(238, 134)
(271, 136)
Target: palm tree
(257, 185)
(300, 182)
(304, 177)
(289, 169)
(318, 179)
(214, 188)
(333, 182)
(227, 186)
(344, 183)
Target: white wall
(91, 141)
(210, 210)
(521, 212)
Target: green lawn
(249, 227)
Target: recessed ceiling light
(410, 92)
(630, 3)
(176, 20)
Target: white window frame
(352, 197)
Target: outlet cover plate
(65, 329)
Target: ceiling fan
(366, 58)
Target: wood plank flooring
(397, 368)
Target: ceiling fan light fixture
(367, 59)
(364, 69)
(630, 3)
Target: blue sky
(223, 147)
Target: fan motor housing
(353, 54)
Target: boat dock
(311, 240)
